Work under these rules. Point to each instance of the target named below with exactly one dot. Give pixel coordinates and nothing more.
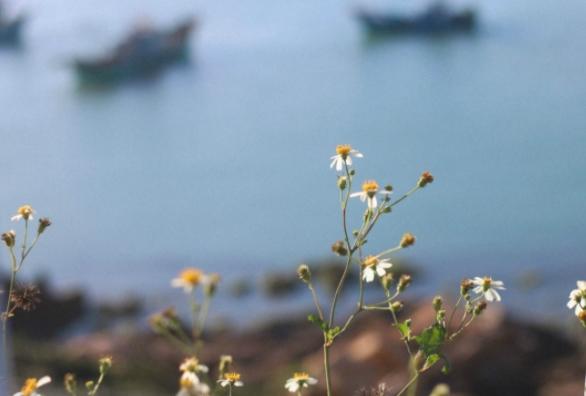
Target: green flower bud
(9, 238)
(404, 282)
(397, 306)
(304, 273)
(70, 383)
(438, 302)
(342, 182)
(407, 240)
(43, 224)
(479, 308)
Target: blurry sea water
(223, 163)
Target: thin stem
(339, 289)
(203, 315)
(405, 195)
(453, 312)
(8, 301)
(315, 300)
(327, 368)
(396, 320)
(24, 240)
(229, 389)
(408, 384)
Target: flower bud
(89, 385)
(9, 238)
(437, 303)
(105, 364)
(441, 315)
(407, 240)
(397, 306)
(342, 182)
(425, 179)
(387, 280)
(404, 282)
(387, 209)
(465, 287)
(225, 364)
(211, 284)
(70, 383)
(388, 188)
(43, 224)
(304, 273)
(479, 308)
(339, 248)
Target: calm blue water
(223, 163)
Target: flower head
(31, 385)
(425, 179)
(344, 154)
(190, 385)
(298, 381)
(372, 265)
(24, 212)
(9, 238)
(407, 240)
(192, 365)
(188, 279)
(369, 190)
(230, 379)
(578, 298)
(488, 288)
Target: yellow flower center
(191, 276)
(232, 377)
(30, 385)
(343, 150)
(185, 383)
(370, 187)
(486, 282)
(300, 376)
(25, 211)
(370, 261)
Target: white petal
(202, 368)
(238, 383)
(380, 271)
(496, 294)
(488, 295)
(357, 194)
(349, 161)
(177, 282)
(356, 153)
(43, 381)
(16, 218)
(571, 304)
(293, 387)
(18, 394)
(372, 203)
(581, 285)
(310, 380)
(578, 310)
(368, 274)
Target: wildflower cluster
(424, 349)
(26, 298)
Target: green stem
(408, 385)
(315, 300)
(327, 369)
(8, 301)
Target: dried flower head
(304, 273)
(407, 240)
(425, 179)
(9, 238)
(339, 248)
(25, 298)
(44, 223)
(404, 282)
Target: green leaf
(447, 365)
(431, 339)
(405, 329)
(317, 321)
(430, 361)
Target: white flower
(31, 385)
(488, 287)
(344, 154)
(368, 193)
(372, 266)
(188, 279)
(578, 298)
(230, 379)
(298, 381)
(192, 365)
(24, 212)
(191, 386)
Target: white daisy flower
(24, 212)
(578, 298)
(188, 279)
(372, 266)
(31, 385)
(368, 193)
(191, 386)
(488, 288)
(344, 154)
(230, 379)
(192, 365)
(298, 381)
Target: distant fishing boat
(142, 52)
(435, 20)
(10, 29)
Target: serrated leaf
(431, 339)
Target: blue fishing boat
(143, 52)
(437, 19)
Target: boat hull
(376, 23)
(115, 68)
